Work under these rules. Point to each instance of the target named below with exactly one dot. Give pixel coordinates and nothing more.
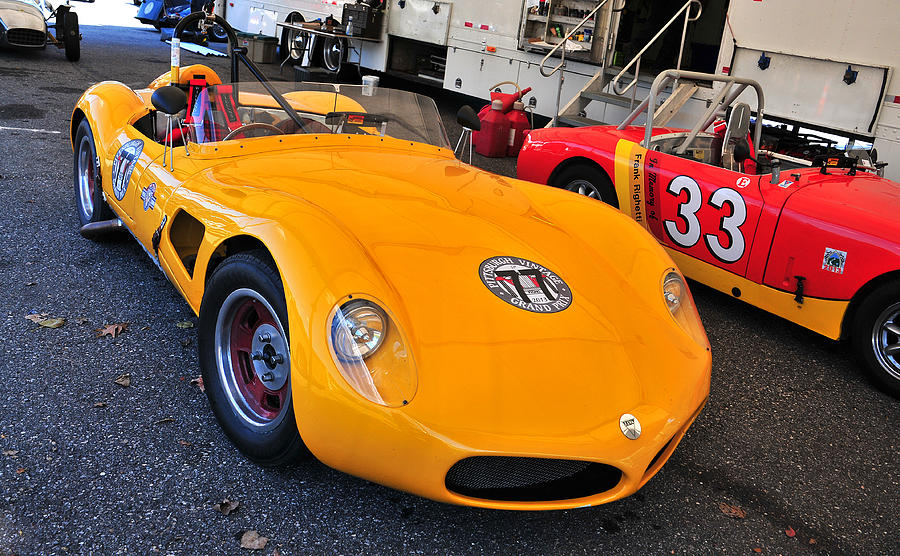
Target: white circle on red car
(742, 182)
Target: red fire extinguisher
(518, 128)
(493, 139)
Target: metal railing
(636, 61)
(562, 56)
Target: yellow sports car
(405, 317)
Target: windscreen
(244, 110)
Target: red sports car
(816, 242)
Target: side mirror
(169, 100)
(467, 118)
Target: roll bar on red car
(730, 91)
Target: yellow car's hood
(427, 223)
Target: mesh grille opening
(529, 479)
(25, 37)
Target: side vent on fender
(186, 233)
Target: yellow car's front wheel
(245, 358)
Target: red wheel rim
(246, 318)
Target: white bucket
(369, 82)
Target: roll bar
(733, 88)
(238, 55)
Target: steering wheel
(255, 125)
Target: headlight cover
(371, 352)
(680, 304)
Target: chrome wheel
(584, 187)
(333, 54)
(886, 340)
(297, 44)
(87, 176)
(253, 359)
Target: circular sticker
(525, 284)
(742, 182)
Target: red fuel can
(518, 128)
(493, 139)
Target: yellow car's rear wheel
(88, 193)
(245, 359)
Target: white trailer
(824, 64)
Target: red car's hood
(866, 199)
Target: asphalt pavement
(793, 436)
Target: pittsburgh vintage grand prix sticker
(525, 284)
(123, 165)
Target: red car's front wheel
(876, 336)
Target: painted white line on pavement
(3, 128)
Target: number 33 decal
(687, 214)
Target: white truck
(825, 65)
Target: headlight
(678, 300)
(358, 330)
(371, 352)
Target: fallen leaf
(31, 283)
(45, 320)
(252, 541)
(20, 470)
(100, 404)
(732, 511)
(276, 552)
(112, 330)
(123, 380)
(185, 443)
(227, 506)
(198, 382)
(757, 550)
(184, 324)
(812, 541)
(10, 453)
(165, 420)
(790, 532)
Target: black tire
(218, 33)
(333, 53)
(288, 47)
(875, 336)
(244, 301)
(71, 36)
(60, 29)
(88, 189)
(589, 181)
